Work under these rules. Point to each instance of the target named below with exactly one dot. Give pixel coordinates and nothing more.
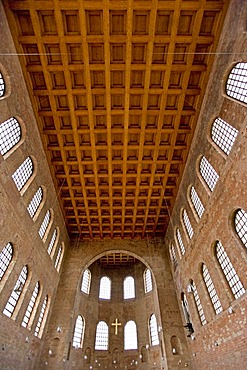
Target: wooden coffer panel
(117, 87)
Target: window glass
(31, 305)
(208, 173)
(236, 84)
(52, 242)
(86, 280)
(10, 134)
(6, 256)
(102, 333)
(148, 284)
(154, 336)
(198, 304)
(187, 224)
(45, 224)
(105, 288)
(129, 287)
(240, 222)
(173, 256)
(211, 290)
(23, 173)
(229, 271)
(57, 263)
(78, 332)
(130, 335)
(35, 202)
(196, 201)
(223, 135)
(40, 327)
(16, 293)
(180, 242)
(2, 85)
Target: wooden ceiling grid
(117, 88)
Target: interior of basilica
(123, 198)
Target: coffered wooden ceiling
(117, 88)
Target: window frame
(236, 100)
(3, 266)
(105, 291)
(99, 334)
(86, 281)
(243, 240)
(78, 334)
(148, 280)
(129, 290)
(132, 343)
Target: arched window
(45, 224)
(208, 173)
(223, 135)
(236, 84)
(59, 257)
(240, 222)
(153, 329)
(6, 256)
(2, 85)
(173, 256)
(180, 242)
(187, 224)
(52, 242)
(16, 293)
(196, 201)
(78, 332)
(129, 287)
(211, 290)
(35, 202)
(86, 280)
(148, 284)
(31, 305)
(23, 173)
(102, 334)
(198, 303)
(42, 317)
(10, 134)
(229, 271)
(130, 335)
(105, 288)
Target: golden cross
(116, 324)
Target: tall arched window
(130, 335)
(30, 307)
(23, 173)
(45, 224)
(86, 281)
(208, 173)
(10, 135)
(187, 224)
(59, 257)
(129, 287)
(236, 84)
(42, 317)
(153, 329)
(211, 290)
(240, 221)
(223, 135)
(173, 256)
(196, 201)
(35, 202)
(102, 336)
(148, 283)
(2, 85)
(52, 242)
(198, 303)
(78, 332)
(105, 288)
(6, 256)
(180, 242)
(231, 276)
(16, 293)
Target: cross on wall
(116, 324)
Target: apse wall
(71, 302)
